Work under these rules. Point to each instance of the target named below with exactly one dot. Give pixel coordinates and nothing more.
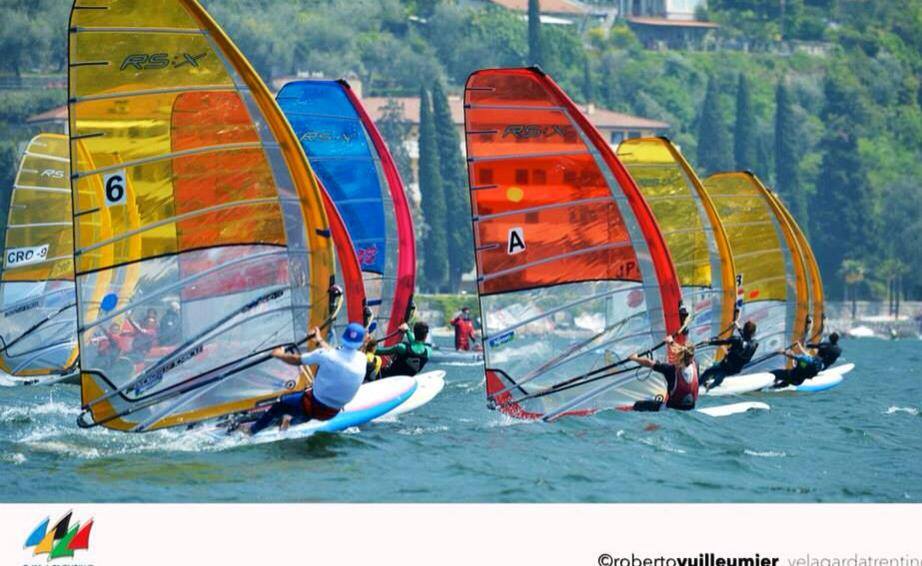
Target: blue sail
(340, 153)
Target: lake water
(861, 441)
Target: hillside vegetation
(822, 101)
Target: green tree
(535, 46)
(588, 85)
(787, 155)
(454, 183)
(843, 218)
(852, 272)
(395, 130)
(432, 193)
(714, 152)
(744, 130)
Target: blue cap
(353, 336)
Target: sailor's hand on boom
(291, 358)
(642, 361)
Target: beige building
(615, 126)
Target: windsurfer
(681, 378)
(828, 351)
(409, 356)
(805, 367)
(464, 330)
(171, 325)
(340, 372)
(741, 349)
(373, 362)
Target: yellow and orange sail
(697, 242)
(38, 325)
(201, 237)
(771, 275)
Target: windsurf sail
(691, 226)
(349, 156)
(770, 275)
(347, 269)
(201, 240)
(572, 271)
(38, 314)
(813, 329)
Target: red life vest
(684, 392)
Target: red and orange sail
(573, 272)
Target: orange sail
(573, 273)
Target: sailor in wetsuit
(805, 367)
(681, 378)
(464, 330)
(740, 352)
(373, 362)
(409, 356)
(828, 351)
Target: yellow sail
(38, 324)
(770, 272)
(813, 328)
(691, 226)
(201, 237)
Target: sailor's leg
(287, 405)
(267, 418)
(647, 406)
(720, 373)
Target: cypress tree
(744, 130)
(844, 225)
(588, 85)
(395, 130)
(435, 250)
(454, 183)
(713, 138)
(787, 155)
(535, 50)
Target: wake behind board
(372, 400)
(440, 356)
(826, 379)
(738, 384)
(428, 386)
(734, 409)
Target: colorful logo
(367, 255)
(62, 540)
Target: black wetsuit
(805, 367)
(407, 358)
(827, 352)
(739, 353)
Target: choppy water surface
(859, 442)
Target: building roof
(664, 22)
(58, 114)
(600, 117)
(547, 6)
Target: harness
(410, 363)
(737, 357)
(684, 392)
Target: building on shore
(614, 126)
